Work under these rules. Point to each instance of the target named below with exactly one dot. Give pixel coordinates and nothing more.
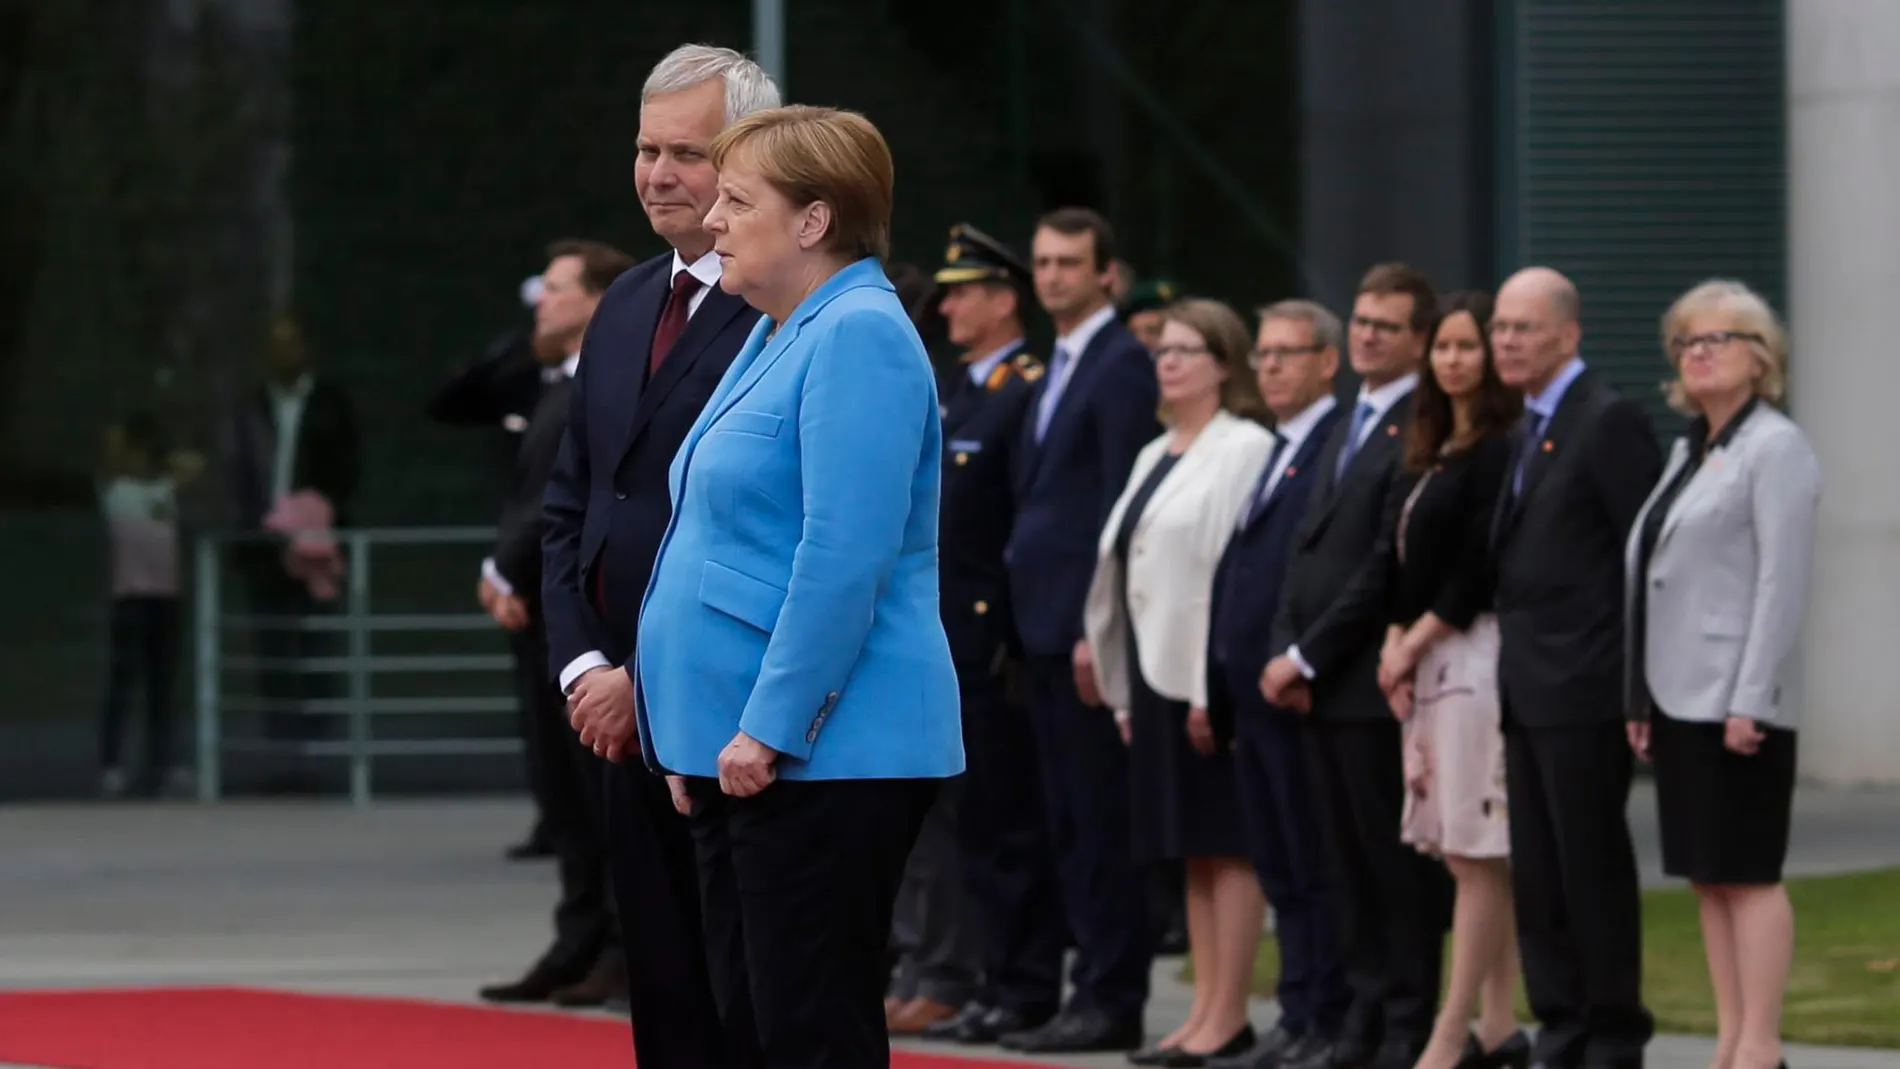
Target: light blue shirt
(980, 371)
(1545, 404)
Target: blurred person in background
(1719, 563)
(1144, 309)
(139, 479)
(1147, 623)
(1092, 413)
(1584, 459)
(585, 965)
(499, 392)
(660, 340)
(794, 679)
(294, 434)
(978, 923)
(1439, 669)
(1294, 358)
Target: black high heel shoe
(1513, 1053)
(1242, 1042)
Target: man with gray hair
(659, 343)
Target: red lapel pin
(1548, 446)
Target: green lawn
(1845, 987)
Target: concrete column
(1844, 275)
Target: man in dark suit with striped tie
(1294, 359)
(657, 347)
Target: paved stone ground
(414, 899)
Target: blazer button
(620, 495)
(1657, 583)
(982, 607)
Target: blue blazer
(795, 596)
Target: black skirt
(1724, 816)
(1182, 804)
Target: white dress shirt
(1294, 432)
(287, 405)
(1072, 343)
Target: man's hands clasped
(600, 707)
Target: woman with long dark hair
(1439, 670)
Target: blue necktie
(1052, 393)
(1259, 497)
(1361, 416)
(1527, 449)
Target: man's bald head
(1536, 328)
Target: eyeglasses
(1715, 339)
(1377, 326)
(1258, 358)
(1165, 351)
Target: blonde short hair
(814, 154)
(1750, 314)
(1228, 342)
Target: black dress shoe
(538, 986)
(1241, 1042)
(1265, 1054)
(1513, 1053)
(531, 850)
(997, 1022)
(951, 1028)
(1311, 1052)
(1397, 1054)
(1069, 1032)
(606, 981)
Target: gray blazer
(1728, 581)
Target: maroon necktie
(672, 318)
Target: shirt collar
(1383, 398)
(573, 361)
(1296, 429)
(1078, 339)
(296, 391)
(980, 370)
(1545, 404)
(706, 269)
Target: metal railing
(359, 665)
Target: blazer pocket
(738, 595)
(1724, 625)
(757, 424)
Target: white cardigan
(1177, 545)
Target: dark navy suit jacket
(607, 503)
(1067, 483)
(1248, 583)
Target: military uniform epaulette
(1024, 365)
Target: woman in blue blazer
(793, 675)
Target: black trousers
(676, 1021)
(798, 883)
(1579, 908)
(566, 779)
(1394, 901)
(933, 925)
(144, 650)
(284, 647)
(1284, 840)
(1086, 797)
(1007, 866)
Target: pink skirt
(1454, 750)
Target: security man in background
(1142, 307)
(979, 923)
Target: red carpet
(235, 1028)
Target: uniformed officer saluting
(980, 895)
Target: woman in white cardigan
(1147, 621)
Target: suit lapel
(1302, 459)
(1382, 438)
(1557, 433)
(715, 313)
(1081, 379)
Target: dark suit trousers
(933, 926)
(1573, 871)
(798, 883)
(1086, 794)
(1395, 901)
(567, 782)
(1007, 866)
(1281, 817)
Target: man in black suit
(1586, 460)
(1295, 358)
(295, 431)
(1091, 413)
(656, 349)
(1394, 901)
(582, 967)
(985, 953)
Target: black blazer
(518, 531)
(1067, 484)
(328, 448)
(505, 382)
(1448, 570)
(1334, 605)
(1559, 552)
(982, 429)
(607, 503)
(1248, 583)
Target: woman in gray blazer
(1717, 583)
